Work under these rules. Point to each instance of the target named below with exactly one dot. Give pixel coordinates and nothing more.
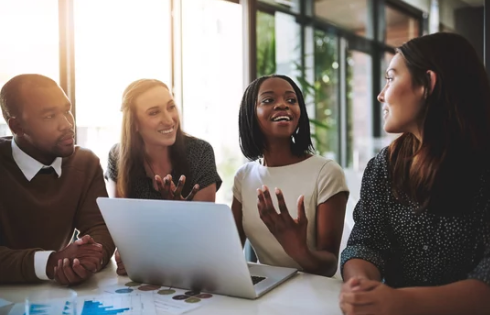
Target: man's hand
(121, 270)
(84, 253)
(68, 273)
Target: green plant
(266, 44)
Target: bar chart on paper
(46, 309)
(102, 304)
(115, 305)
(60, 307)
(97, 308)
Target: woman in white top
(303, 228)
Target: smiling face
(402, 101)
(277, 108)
(157, 117)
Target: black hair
(252, 139)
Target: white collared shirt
(30, 167)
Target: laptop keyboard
(257, 279)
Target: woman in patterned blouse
(421, 241)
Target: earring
(292, 139)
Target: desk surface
(303, 294)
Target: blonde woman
(155, 158)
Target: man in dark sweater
(48, 188)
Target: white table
(305, 294)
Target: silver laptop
(188, 245)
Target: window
(288, 45)
(359, 110)
(325, 125)
(400, 27)
(212, 60)
(351, 15)
(278, 45)
(29, 42)
(135, 44)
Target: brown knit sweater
(43, 213)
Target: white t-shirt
(316, 178)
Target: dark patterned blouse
(425, 249)
(201, 162)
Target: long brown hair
(441, 170)
(131, 148)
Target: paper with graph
(166, 300)
(105, 304)
(128, 299)
(116, 304)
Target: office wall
(447, 12)
(468, 21)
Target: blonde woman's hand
(169, 191)
(121, 270)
